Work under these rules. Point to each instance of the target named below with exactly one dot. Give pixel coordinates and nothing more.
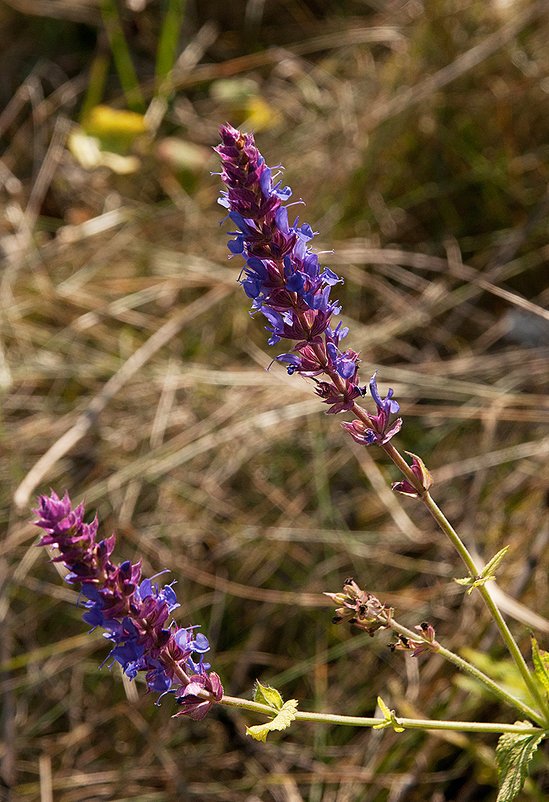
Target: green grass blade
(121, 56)
(167, 45)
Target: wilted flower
(134, 612)
(360, 608)
(425, 480)
(191, 703)
(417, 647)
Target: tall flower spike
(285, 282)
(282, 275)
(134, 612)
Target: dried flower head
(360, 608)
(417, 647)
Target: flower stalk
(368, 721)
(365, 611)
(286, 284)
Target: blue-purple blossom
(380, 428)
(135, 613)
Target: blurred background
(132, 375)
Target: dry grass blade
(169, 330)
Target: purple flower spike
(283, 276)
(134, 612)
(286, 283)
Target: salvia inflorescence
(287, 285)
(285, 282)
(134, 612)
(283, 278)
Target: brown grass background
(132, 374)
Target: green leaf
(267, 696)
(281, 721)
(384, 709)
(121, 55)
(488, 572)
(166, 54)
(473, 582)
(541, 664)
(494, 563)
(390, 719)
(513, 754)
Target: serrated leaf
(494, 563)
(513, 754)
(267, 696)
(281, 721)
(541, 664)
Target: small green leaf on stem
(513, 754)
(267, 696)
(473, 582)
(390, 718)
(495, 563)
(282, 720)
(488, 572)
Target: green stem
(474, 572)
(453, 536)
(360, 721)
(467, 558)
(470, 669)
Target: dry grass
(133, 375)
